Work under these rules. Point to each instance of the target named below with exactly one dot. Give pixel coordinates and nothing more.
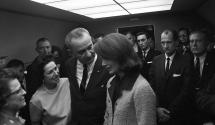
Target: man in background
(146, 53)
(203, 64)
(43, 47)
(171, 81)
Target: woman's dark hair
(45, 60)
(6, 75)
(118, 48)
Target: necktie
(84, 79)
(197, 67)
(144, 54)
(167, 64)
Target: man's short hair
(129, 32)
(144, 33)
(75, 34)
(174, 33)
(203, 32)
(43, 39)
(14, 63)
(99, 35)
(184, 29)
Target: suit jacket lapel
(149, 55)
(72, 75)
(206, 68)
(112, 86)
(162, 66)
(97, 69)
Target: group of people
(119, 80)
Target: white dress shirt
(170, 61)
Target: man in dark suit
(87, 79)
(146, 53)
(43, 48)
(33, 82)
(203, 74)
(170, 74)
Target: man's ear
(149, 40)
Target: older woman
(51, 103)
(11, 98)
(130, 99)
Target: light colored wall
(160, 21)
(18, 34)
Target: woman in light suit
(130, 99)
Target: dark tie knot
(168, 59)
(85, 66)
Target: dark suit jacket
(205, 100)
(147, 61)
(205, 90)
(33, 79)
(90, 108)
(173, 89)
(207, 73)
(33, 82)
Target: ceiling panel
(100, 9)
(108, 14)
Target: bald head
(168, 41)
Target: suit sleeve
(205, 98)
(152, 80)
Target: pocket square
(176, 75)
(102, 85)
(149, 62)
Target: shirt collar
(90, 65)
(201, 58)
(147, 50)
(170, 57)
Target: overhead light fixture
(109, 8)
(150, 9)
(108, 14)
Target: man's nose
(23, 92)
(165, 45)
(87, 53)
(56, 71)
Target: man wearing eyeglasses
(146, 53)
